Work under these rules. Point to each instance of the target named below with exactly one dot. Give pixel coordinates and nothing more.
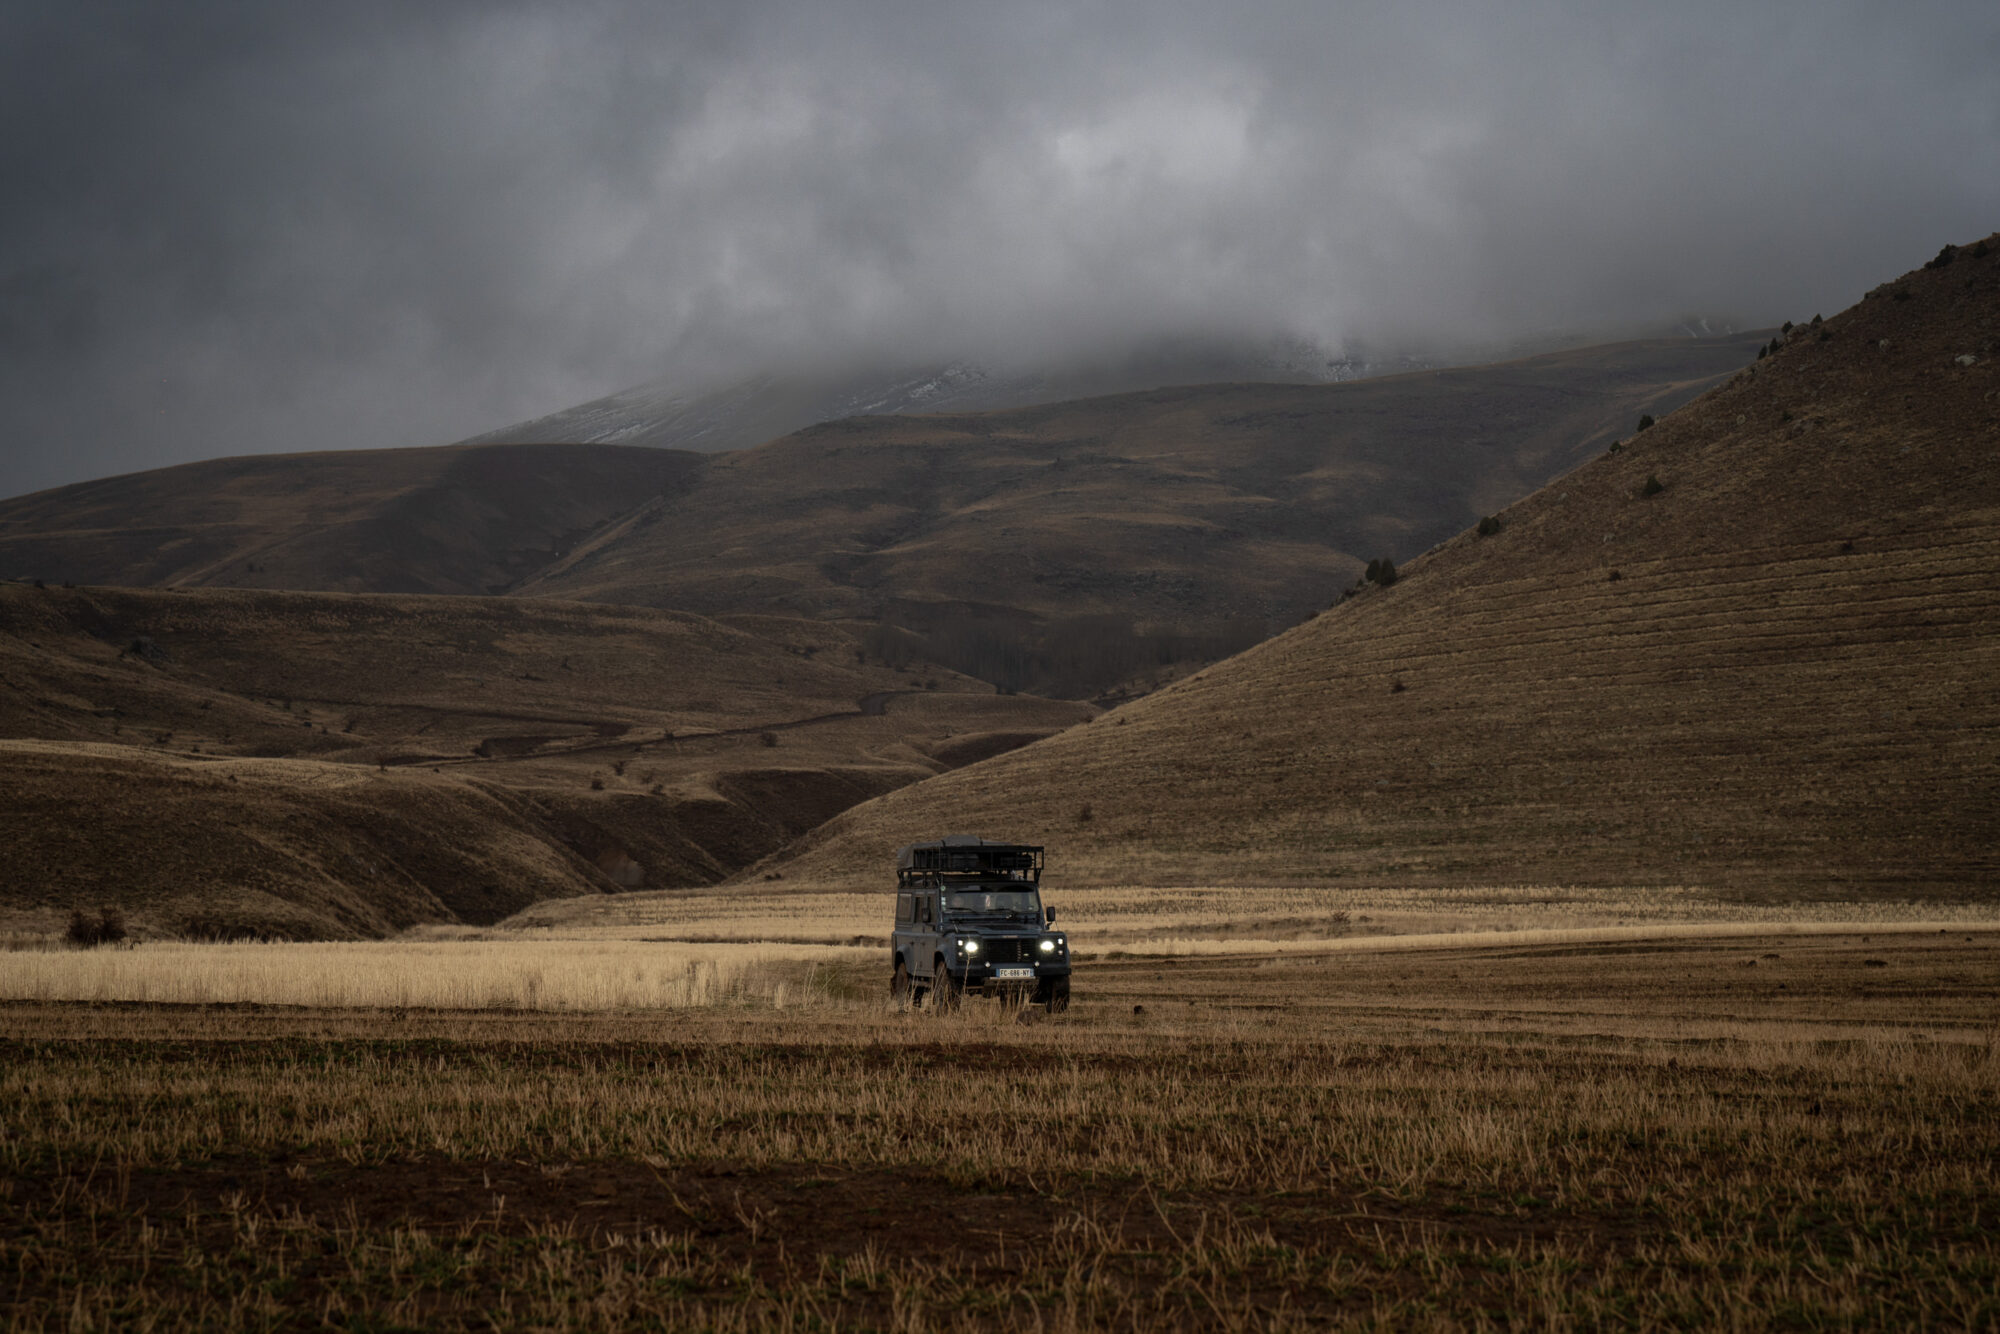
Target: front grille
(1012, 949)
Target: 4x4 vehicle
(969, 918)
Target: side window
(924, 908)
(903, 909)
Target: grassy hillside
(1758, 647)
(1191, 515)
(234, 761)
(464, 519)
(1073, 548)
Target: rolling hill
(461, 519)
(1757, 649)
(1069, 548)
(1174, 512)
(232, 762)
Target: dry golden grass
(437, 974)
(1153, 919)
(1746, 1132)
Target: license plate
(1005, 974)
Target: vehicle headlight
(1048, 945)
(969, 946)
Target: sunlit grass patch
(1238, 919)
(454, 974)
(735, 913)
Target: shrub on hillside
(1489, 525)
(1381, 572)
(1646, 421)
(1652, 486)
(86, 932)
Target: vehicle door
(901, 939)
(930, 931)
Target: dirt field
(1747, 1131)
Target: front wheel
(1059, 995)
(899, 985)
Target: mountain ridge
(1174, 510)
(747, 412)
(1083, 547)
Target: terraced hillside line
(873, 705)
(1757, 648)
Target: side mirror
(1051, 912)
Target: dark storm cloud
(238, 227)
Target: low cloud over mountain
(240, 228)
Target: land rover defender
(969, 918)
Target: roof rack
(963, 857)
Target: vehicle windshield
(993, 903)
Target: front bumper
(987, 977)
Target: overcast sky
(278, 225)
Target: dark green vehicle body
(969, 918)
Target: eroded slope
(252, 762)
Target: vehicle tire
(944, 992)
(1059, 996)
(899, 985)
